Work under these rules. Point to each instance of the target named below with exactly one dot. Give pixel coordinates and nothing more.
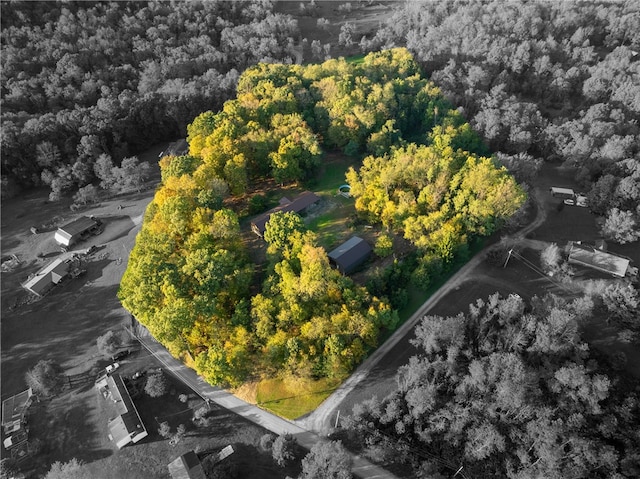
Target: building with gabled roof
(51, 275)
(298, 205)
(14, 410)
(350, 254)
(187, 466)
(127, 426)
(77, 230)
(597, 259)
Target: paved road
(322, 419)
(361, 467)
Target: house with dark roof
(126, 426)
(598, 259)
(51, 275)
(350, 255)
(187, 466)
(77, 230)
(300, 204)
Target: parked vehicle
(120, 354)
(112, 367)
(15, 439)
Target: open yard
(63, 326)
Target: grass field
(292, 401)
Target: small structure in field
(597, 258)
(127, 427)
(298, 205)
(350, 254)
(562, 192)
(52, 274)
(187, 466)
(78, 230)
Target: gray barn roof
(350, 254)
(77, 226)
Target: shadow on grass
(315, 393)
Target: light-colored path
(322, 419)
(361, 467)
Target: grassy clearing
(292, 401)
(355, 59)
(332, 173)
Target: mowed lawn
(294, 400)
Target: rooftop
(301, 202)
(597, 259)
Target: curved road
(321, 420)
(361, 467)
(311, 429)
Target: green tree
(45, 378)
(550, 258)
(280, 230)
(623, 302)
(66, 470)
(327, 459)
(156, 385)
(284, 449)
(110, 342)
(86, 195)
(621, 226)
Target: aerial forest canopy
(540, 81)
(189, 276)
(85, 80)
(506, 389)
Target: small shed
(350, 254)
(562, 192)
(187, 466)
(77, 230)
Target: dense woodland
(189, 276)
(541, 81)
(506, 389)
(89, 80)
(509, 389)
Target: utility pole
(337, 419)
(508, 258)
(458, 471)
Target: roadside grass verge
(292, 401)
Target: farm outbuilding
(51, 275)
(562, 192)
(77, 230)
(298, 205)
(187, 466)
(350, 254)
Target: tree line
(83, 80)
(506, 389)
(189, 276)
(540, 81)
